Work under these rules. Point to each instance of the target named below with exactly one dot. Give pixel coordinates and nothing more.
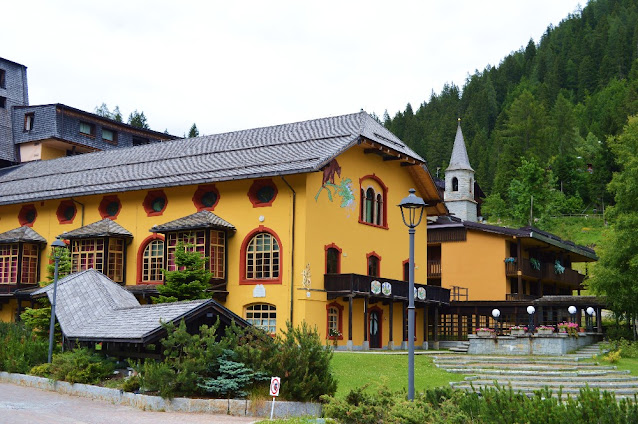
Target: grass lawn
(354, 370)
(630, 364)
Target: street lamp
(572, 312)
(495, 314)
(530, 327)
(57, 254)
(412, 208)
(590, 318)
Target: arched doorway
(374, 327)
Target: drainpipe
(81, 204)
(292, 247)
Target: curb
(237, 407)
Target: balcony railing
(342, 284)
(10, 288)
(517, 296)
(546, 272)
(434, 268)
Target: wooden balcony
(520, 297)
(434, 268)
(10, 288)
(338, 285)
(546, 273)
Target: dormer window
(28, 121)
(87, 129)
(3, 75)
(109, 136)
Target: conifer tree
(189, 281)
(193, 132)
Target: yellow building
(488, 267)
(299, 222)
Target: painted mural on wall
(342, 190)
(305, 277)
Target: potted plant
(518, 330)
(572, 329)
(334, 336)
(562, 327)
(545, 330)
(484, 332)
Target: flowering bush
(545, 327)
(484, 329)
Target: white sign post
(275, 384)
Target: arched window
(373, 208)
(333, 259)
(263, 316)
(374, 265)
(455, 184)
(151, 260)
(334, 324)
(261, 258)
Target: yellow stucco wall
(318, 222)
(476, 264)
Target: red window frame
(140, 258)
(200, 192)
(362, 200)
(242, 258)
(376, 255)
(62, 207)
(339, 320)
(256, 186)
(326, 248)
(22, 215)
(106, 200)
(151, 196)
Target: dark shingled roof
(279, 150)
(202, 219)
(89, 306)
(22, 234)
(443, 222)
(103, 228)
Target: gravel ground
(27, 405)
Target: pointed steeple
(459, 159)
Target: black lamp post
(572, 311)
(412, 208)
(496, 314)
(56, 246)
(590, 319)
(530, 327)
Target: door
(375, 328)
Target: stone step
(518, 359)
(527, 367)
(520, 384)
(504, 363)
(539, 373)
(554, 380)
(622, 392)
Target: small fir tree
(189, 281)
(193, 132)
(138, 120)
(232, 379)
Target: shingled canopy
(22, 234)
(261, 152)
(202, 219)
(92, 308)
(104, 228)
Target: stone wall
(555, 344)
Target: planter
(545, 331)
(484, 333)
(517, 332)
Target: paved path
(568, 373)
(28, 405)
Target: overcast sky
(243, 64)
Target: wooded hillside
(551, 105)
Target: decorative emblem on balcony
(386, 288)
(421, 293)
(259, 291)
(375, 287)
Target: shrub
(303, 363)
(81, 365)
(20, 349)
(158, 377)
(233, 377)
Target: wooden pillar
(435, 333)
(425, 322)
(19, 310)
(365, 318)
(599, 321)
(519, 271)
(459, 324)
(391, 320)
(350, 318)
(404, 321)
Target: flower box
(484, 333)
(517, 332)
(545, 331)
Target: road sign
(275, 384)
